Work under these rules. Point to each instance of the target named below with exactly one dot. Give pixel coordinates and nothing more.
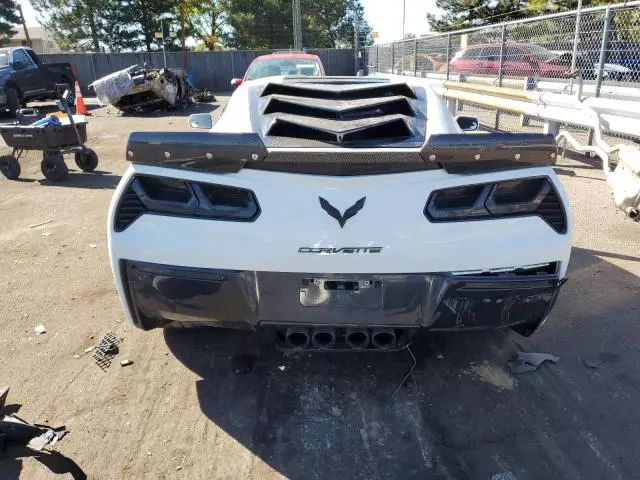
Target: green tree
(269, 24)
(264, 24)
(77, 24)
(474, 13)
(8, 18)
(332, 23)
(139, 20)
(206, 20)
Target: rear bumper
(156, 295)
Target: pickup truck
(24, 77)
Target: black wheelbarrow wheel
(53, 167)
(10, 167)
(86, 160)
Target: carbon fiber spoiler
(489, 151)
(204, 151)
(230, 152)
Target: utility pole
(182, 38)
(404, 4)
(164, 51)
(24, 26)
(297, 26)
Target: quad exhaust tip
(297, 338)
(326, 337)
(323, 338)
(383, 338)
(357, 338)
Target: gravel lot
(180, 411)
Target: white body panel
(291, 217)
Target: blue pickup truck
(24, 77)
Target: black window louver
(367, 109)
(551, 210)
(342, 92)
(358, 114)
(129, 209)
(392, 129)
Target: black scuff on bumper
(158, 295)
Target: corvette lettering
(332, 250)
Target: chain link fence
(600, 44)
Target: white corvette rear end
(339, 213)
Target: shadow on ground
(460, 415)
(97, 179)
(11, 457)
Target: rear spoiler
(230, 152)
(484, 152)
(204, 151)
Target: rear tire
(10, 167)
(53, 167)
(14, 100)
(86, 160)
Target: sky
(385, 16)
(29, 13)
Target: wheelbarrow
(52, 141)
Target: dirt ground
(181, 410)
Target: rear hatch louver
(349, 114)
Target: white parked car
(339, 213)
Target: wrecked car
(138, 88)
(339, 213)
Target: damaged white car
(138, 88)
(339, 213)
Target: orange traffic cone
(81, 108)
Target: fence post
(415, 58)
(448, 53)
(576, 40)
(503, 38)
(93, 68)
(393, 54)
(603, 49)
(529, 84)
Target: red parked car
(282, 63)
(520, 59)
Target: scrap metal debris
(528, 362)
(4, 391)
(139, 88)
(203, 96)
(13, 429)
(106, 349)
(34, 225)
(406, 377)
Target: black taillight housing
(509, 198)
(170, 196)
